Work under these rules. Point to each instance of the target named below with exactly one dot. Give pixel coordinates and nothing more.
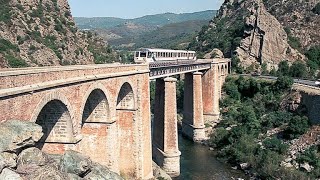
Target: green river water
(197, 162)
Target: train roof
(165, 50)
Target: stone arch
(222, 70)
(96, 108)
(125, 99)
(56, 123)
(50, 97)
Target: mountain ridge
(156, 19)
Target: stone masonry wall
(24, 93)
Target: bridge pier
(165, 134)
(210, 94)
(193, 123)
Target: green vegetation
(251, 108)
(172, 36)
(149, 20)
(220, 37)
(102, 54)
(15, 62)
(5, 11)
(298, 69)
(6, 45)
(10, 52)
(316, 9)
(294, 42)
(226, 35)
(313, 55)
(311, 156)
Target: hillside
(152, 30)
(154, 20)
(43, 33)
(300, 18)
(176, 35)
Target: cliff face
(246, 29)
(43, 33)
(264, 39)
(299, 17)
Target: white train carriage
(147, 55)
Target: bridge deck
(24, 80)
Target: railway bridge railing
(166, 69)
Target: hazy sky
(138, 8)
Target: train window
(143, 54)
(137, 54)
(179, 54)
(149, 54)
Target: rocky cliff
(43, 33)
(248, 30)
(300, 19)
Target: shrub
(316, 9)
(274, 144)
(296, 127)
(15, 62)
(32, 48)
(219, 138)
(283, 68)
(298, 69)
(5, 11)
(6, 45)
(313, 55)
(283, 83)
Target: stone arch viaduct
(103, 111)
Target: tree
(313, 55)
(297, 126)
(283, 83)
(298, 69)
(283, 69)
(235, 65)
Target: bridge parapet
(166, 69)
(10, 78)
(16, 81)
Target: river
(197, 162)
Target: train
(149, 55)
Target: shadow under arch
(56, 123)
(96, 109)
(125, 100)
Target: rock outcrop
(15, 135)
(19, 159)
(299, 18)
(43, 33)
(265, 39)
(247, 30)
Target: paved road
(299, 81)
